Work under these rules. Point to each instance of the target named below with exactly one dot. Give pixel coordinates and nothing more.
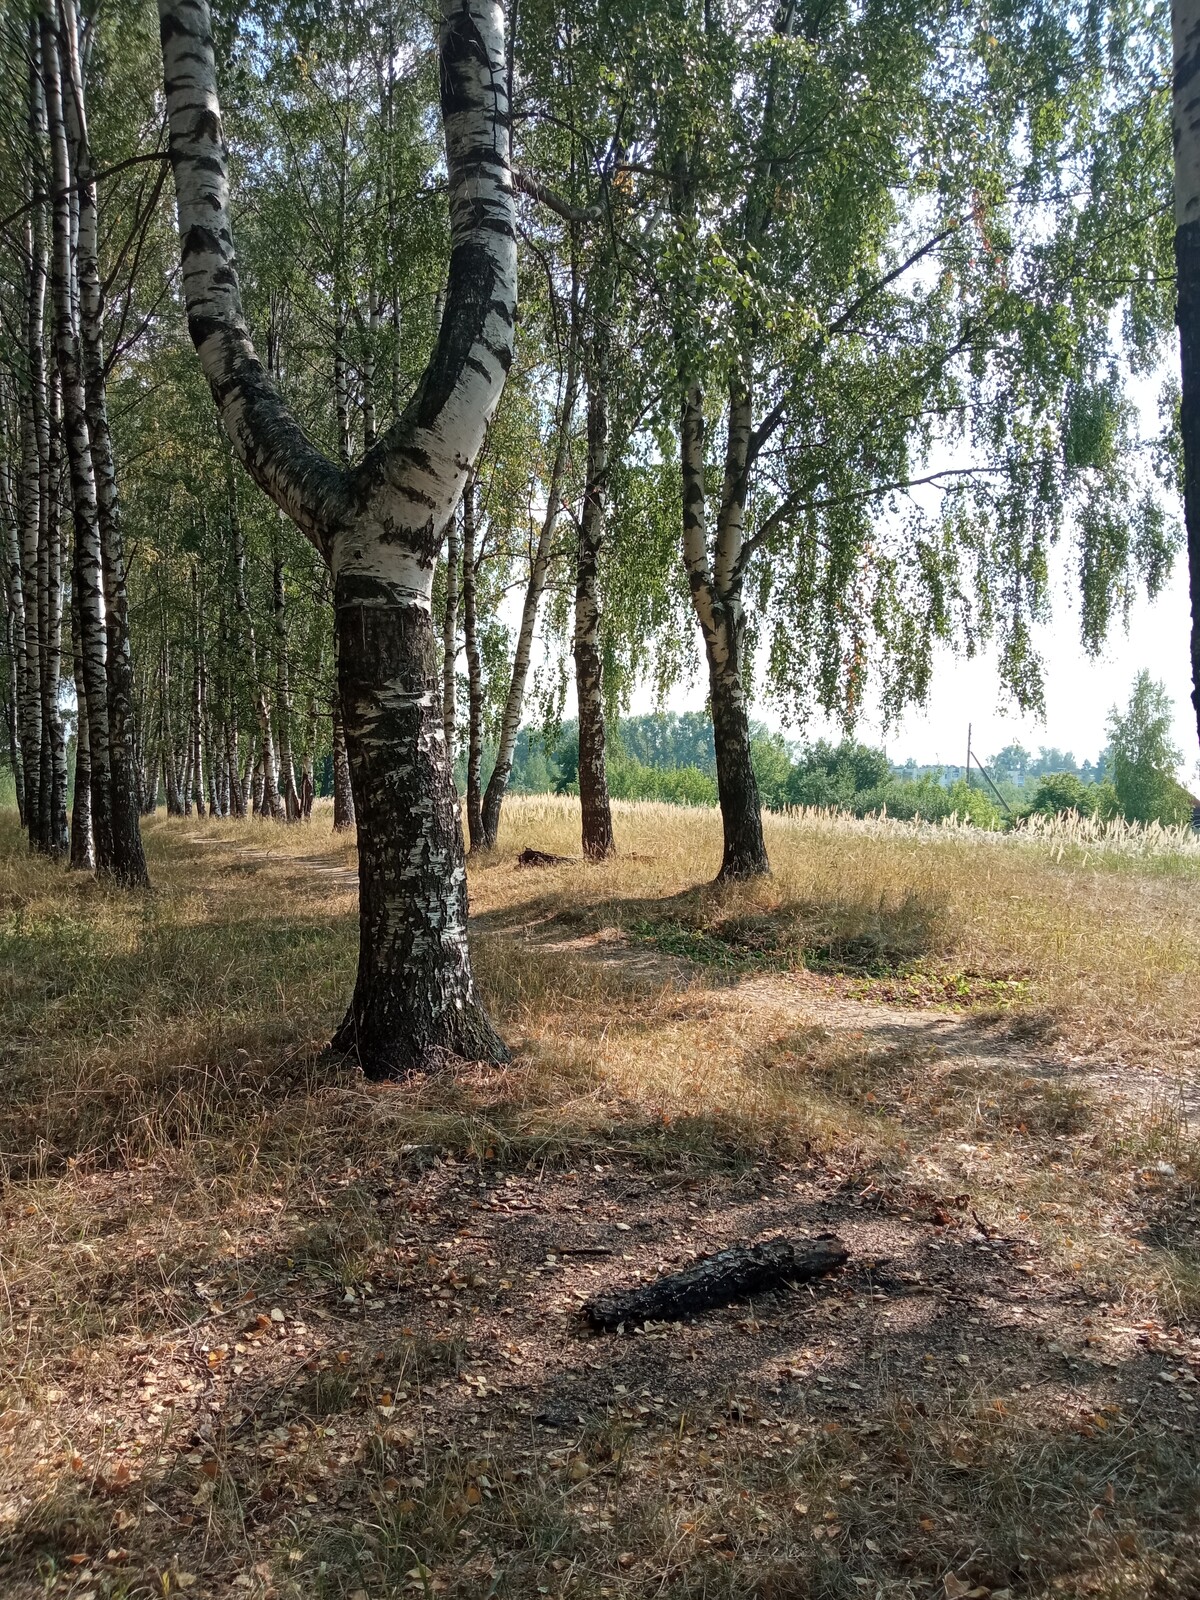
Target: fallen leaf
(956, 1589)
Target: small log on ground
(542, 858)
(714, 1281)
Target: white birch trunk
(128, 857)
(510, 720)
(89, 590)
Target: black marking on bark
(469, 288)
(200, 239)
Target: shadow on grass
(457, 1424)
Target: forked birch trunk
(1185, 29)
(596, 812)
(379, 525)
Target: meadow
(268, 1330)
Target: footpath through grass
(265, 1330)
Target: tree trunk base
(398, 1046)
(743, 871)
(716, 1280)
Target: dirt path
(1127, 1092)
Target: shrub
(1063, 791)
(975, 805)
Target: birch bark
(83, 855)
(596, 811)
(33, 400)
(450, 641)
(288, 795)
(470, 568)
(510, 720)
(379, 525)
(128, 857)
(11, 600)
(15, 616)
(716, 590)
(89, 591)
(54, 748)
(262, 707)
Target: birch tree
(378, 524)
(1185, 29)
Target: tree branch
(43, 195)
(526, 184)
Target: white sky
(1080, 691)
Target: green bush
(835, 775)
(1063, 791)
(975, 804)
(772, 769)
(681, 786)
(906, 799)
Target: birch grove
(830, 328)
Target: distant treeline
(670, 756)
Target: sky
(1080, 690)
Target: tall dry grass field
(268, 1330)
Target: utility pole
(968, 769)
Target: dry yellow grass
(172, 1139)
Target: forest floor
(266, 1330)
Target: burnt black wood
(716, 1280)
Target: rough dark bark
(595, 810)
(716, 1280)
(716, 588)
(745, 852)
(1185, 22)
(414, 978)
(529, 857)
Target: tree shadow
(412, 1388)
